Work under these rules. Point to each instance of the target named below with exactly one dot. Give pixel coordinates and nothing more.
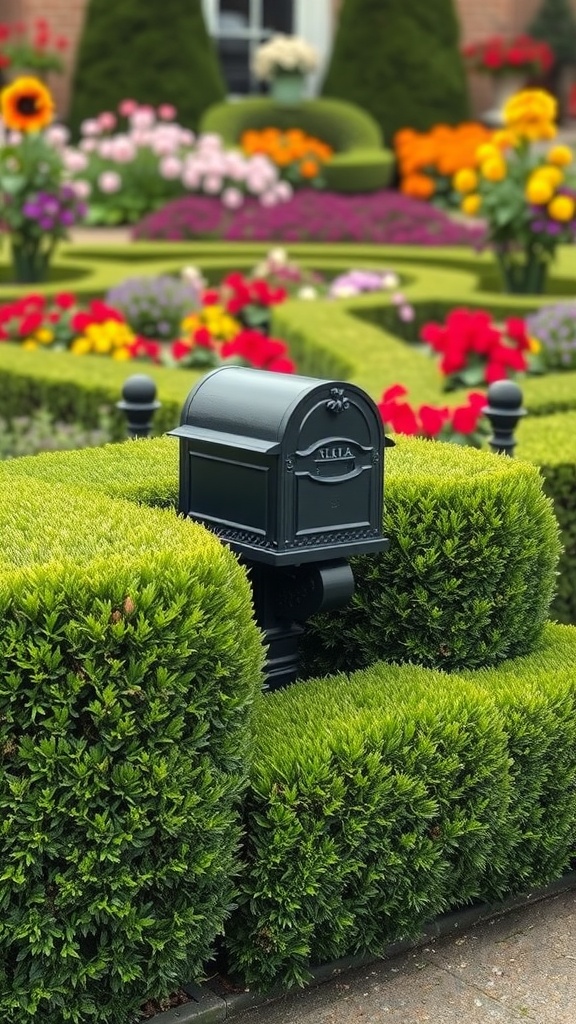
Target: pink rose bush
(132, 161)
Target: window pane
(233, 15)
(278, 15)
(235, 62)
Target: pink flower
(167, 112)
(82, 188)
(232, 198)
(75, 161)
(212, 184)
(90, 127)
(143, 117)
(57, 135)
(107, 120)
(191, 176)
(127, 107)
(170, 168)
(123, 150)
(109, 182)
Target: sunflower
(27, 105)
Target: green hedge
(381, 799)
(469, 574)
(470, 571)
(130, 665)
(360, 163)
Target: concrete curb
(208, 1006)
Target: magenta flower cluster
(386, 218)
(56, 211)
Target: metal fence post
(139, 404)
(504, 409)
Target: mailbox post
(288, 471)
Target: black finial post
(139, 404)
(504, 409)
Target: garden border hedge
(339, 345)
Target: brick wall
(478, 19)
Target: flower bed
(379, 217)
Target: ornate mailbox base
(284, 598)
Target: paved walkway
(518, 968)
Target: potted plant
(37, 54)
(285, 61)
(521, 192)
(510, 63)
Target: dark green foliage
(560, 485)
(400, 62)
(129, 665)
(379, 800)
(359, 164)
(147, 51)
(555, 24)
(469, 575)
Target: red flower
(465, 419)
(396, 391)
(65, 300)
(180, 349)
(29, 324)
(404, 420)
(516, 330)
(203, 337)
(494, 371)
(432, 419)
(210, 297)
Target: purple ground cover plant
(386, 218)
(555, 328)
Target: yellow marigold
(504, 139)
(562, 208)
(531, 114)
(419, 186)
(487, 152)
(81, 346)
(471, 204)
(552, 174)
(560, 156)
(539, 189)
(102, 345)
(121, 353)
(190, 323)
(493, 169)
(44, 335)
(534, 345)
(465, 180)
(30, 345)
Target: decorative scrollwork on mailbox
(338, 402)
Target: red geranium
(476, 350)
(462, 424)
(497, 55)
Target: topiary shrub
(381, 799)
(152, 53)
(469, 575)
(413, 76)
(130, 662)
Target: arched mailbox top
(272, 407)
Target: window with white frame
(238, 27)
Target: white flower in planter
(284, 53)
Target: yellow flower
(44, 335)
(539, 189)
(471, 204)
(504, 139)
(30, 345)
(190, 323)
(552, 174)
(493, 169)
(466, 180)
(103, 345)
(531, 114)
(561, 156)
(121, 353)
(81, 346)
(27, 105)
(562, 208)
(534, 345)
(486, 152)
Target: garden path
(521, 967)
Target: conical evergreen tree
(153, 51)
(400, 61)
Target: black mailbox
(288, 471)
(285, 469)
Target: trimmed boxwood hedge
(470, 571)
(130, 663)
(381, 799)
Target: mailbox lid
(224, 439)
(238, 400)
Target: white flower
(390, 279)
(285, 53)
(232, 198)
(343, 291)
(194, 277)
(277, 257)
(57, 135)
(307, 292)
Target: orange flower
(419, 186)
(309, 168)
(27, 105)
